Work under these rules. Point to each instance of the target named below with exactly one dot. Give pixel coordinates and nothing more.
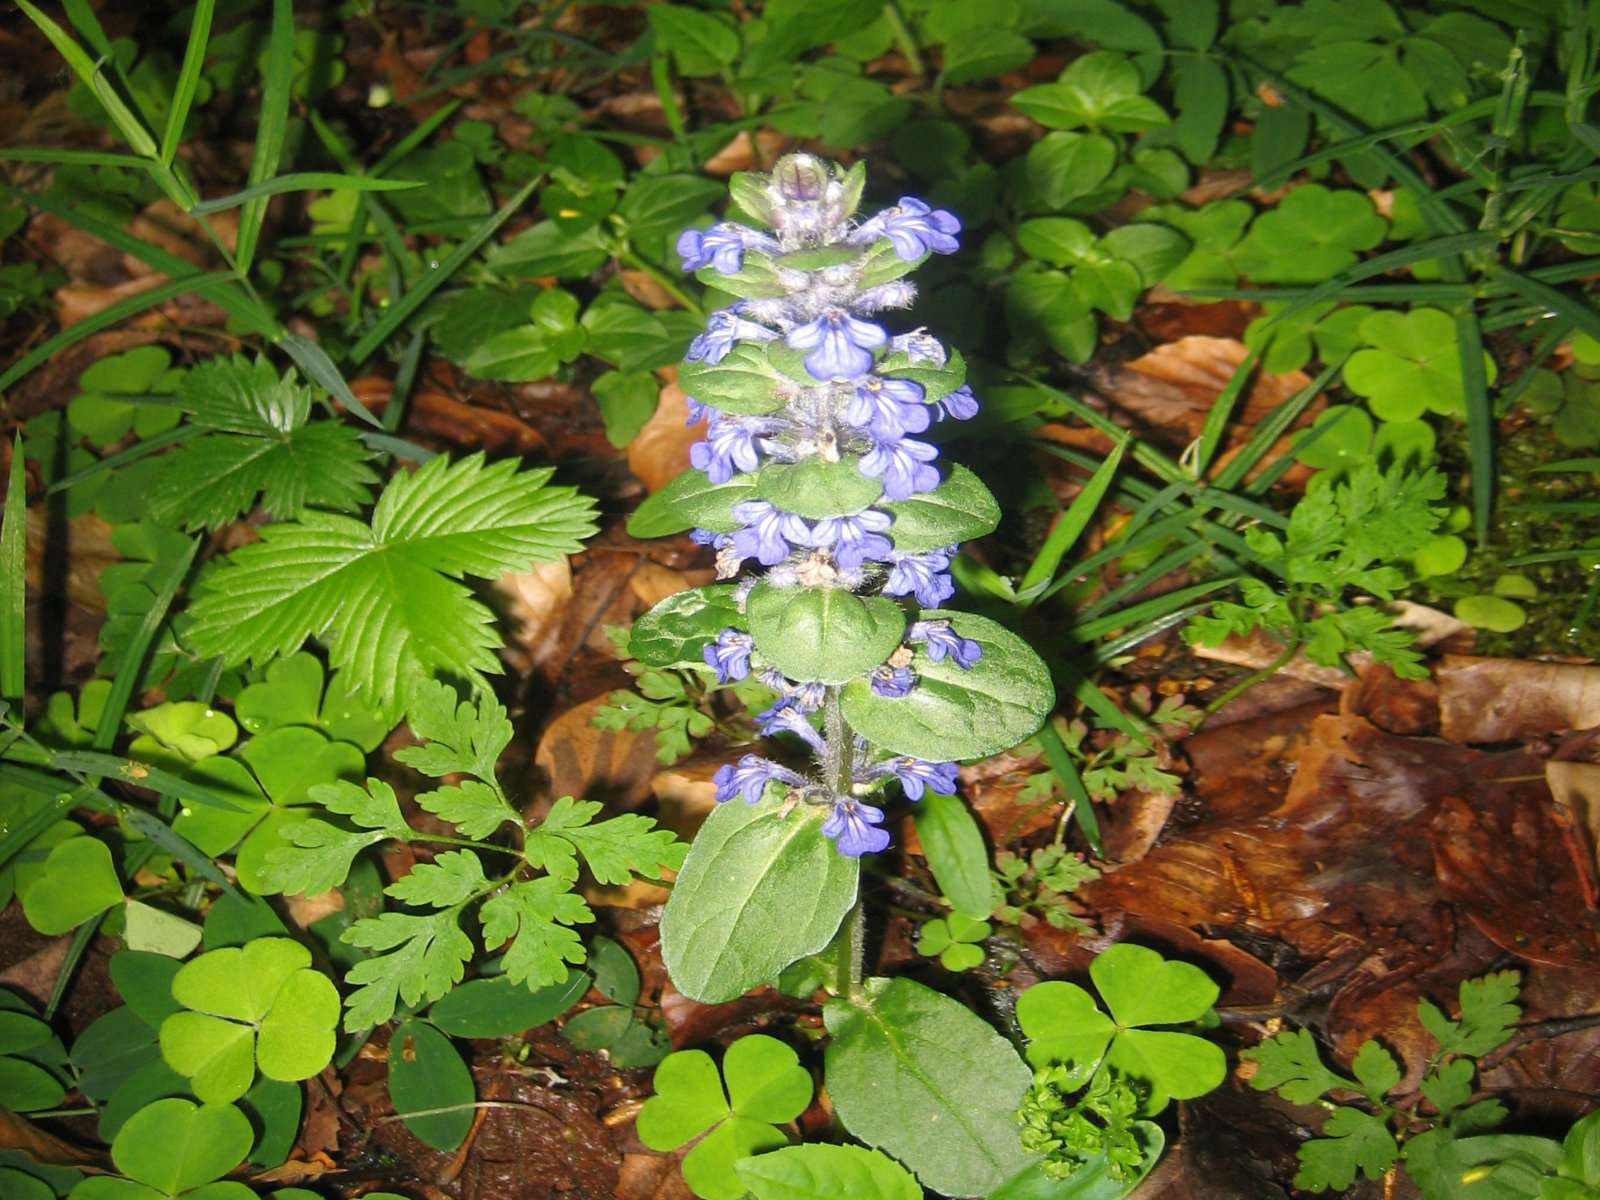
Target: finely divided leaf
(1376, 1071)
(385, 597)
(536, 913)
(474, 808)
(427, 960)
(616, 848)
(258, 441)
(321, 853)
(1488, 1012)
(460, 736)
(452, 878)
(1290, 1064)
(1352, 1141)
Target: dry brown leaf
(437, 414)
(537, 598)
(78, 301)
(304, 911)
(647, 290)
(653, 583)
(685, 795)
(579, 759)
(1575, 788)
(745, 153)
(89, 551)
(659, 452)
(1505, 699)
(19, 1133)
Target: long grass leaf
(13, 579)
(164, 580)
(319, 368)
(108, 316)
(84, 158)
(1107, 651)
(1066, 770)
(1219, 412)
(277, 80)
(194, 61)
(1548, 298)
(399, 313)
(1480, 420)
(1069, 526)
(1271, 427)
(305, 181)
(1146, 610)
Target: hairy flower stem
(837, 766)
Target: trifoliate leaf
(259, 441)
(1352, 1141)
(474, 808)
(461, 736)
(536, 913)
(429, 953)
(1312, 234)
(1290, 1064)
(385, 597)
(452, 878)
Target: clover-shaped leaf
(1314, 233)
(1411, 365)
(175, 1147)
(956, 939)
(1098, 91)
(766, 1087)
(257, 1005)
(283, 766)
(1572, 401)
(180, 732)
(293, 694)
(101, 414)
(1141, 989)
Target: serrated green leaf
(815, 489)
(474, 808)
(535, 915)
(691, 500)
(1488, 1013)
(676, 629)
(1375, 1070)
(1352, 1141)
(742, 382)
(460, 736)
(428, 955)
(1290, 1064)
(385, 597)
(452, 878)
(616, 848)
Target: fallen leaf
(647, 290)
(747, 153)
(659, 452)
(537, 598)
(579, 759)
(304, 911)
(1575, 788)
(1505, 699)
(653, 583)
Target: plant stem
(837, 771)
(850, 952)
(903, 39)
(1249, 681)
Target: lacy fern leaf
(386, 597)
(258, 440)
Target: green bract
(260, 1005)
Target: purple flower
(913, 227)
(709, 537)
(750, 778)
(803, 697)
(903, 466)
(768, 534)
(892, 682)
(724, 328)
(697, 412)
(853, 539)
(729, 653)
(853, 826)
(925, 575)
(722, 246)
(786, 718)
(730, 445)
(916, 775)
(919, 346)
(887, 408)
(841, 346)
(941, 639)
(960, 404)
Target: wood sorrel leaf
(958, 509)
(956, 712)
(923, 1078)
(814, 489)
(760, 889)
(825, 634)
(690, 500)
(674, 631)
(742, 382)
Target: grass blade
(1549, 299)
(1480, 420)
(1060, 760)
(319, 368)
(277, 79)
(1146, 610)
(164, 583)
(401, 311)
(1271, 428)
(194, 60)
(1069, 526)
(109, 316)
(86, 158)
(1217, 416)
(13, 578)
(305, 181)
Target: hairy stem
(837, 769)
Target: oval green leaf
(821, 1172)
(742, 382)
(675, 630)
(78, 881)
(425, 1072)
(497, 1007)
(297, 1036)
(759, 889)
(690, 500)
(824, 634)
(955, 713)
(958, 509)
(815, 489)
(923, 1078)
